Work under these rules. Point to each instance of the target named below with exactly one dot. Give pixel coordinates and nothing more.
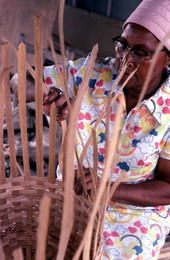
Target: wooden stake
(52, 146)
(17, 254)
(60, 156)
(22, 107)
(112, 148)
(42, 230)
(29, 68)
(10, 127)
(38, 95)
(2, 101)
(67, 223)
(2, 255)
(61, 39)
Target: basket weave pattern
(19, 211)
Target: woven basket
(19, 211)
(20, 196)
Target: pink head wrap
(154, 15)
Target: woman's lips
(125, 76)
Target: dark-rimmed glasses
(137, 54)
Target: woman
(138, 216)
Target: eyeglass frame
(145, 53)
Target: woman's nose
(128, 56)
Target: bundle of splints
(41, 217)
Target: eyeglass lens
(123, 49)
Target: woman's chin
(131, 82)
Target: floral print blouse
(145, 130)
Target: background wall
(87, 22)
(119, 9)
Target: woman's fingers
(52, 95)
(88, 181)
(57, 96)
(78, 187)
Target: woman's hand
(88, 181)
(57, 96)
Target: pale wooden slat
(52, 145)
(42, 230)
(22, 107)
(29, 68)
(38, 95)
(101, 189)
(17, 254)
(66, 225)
(2, 256)
(2, 101)
(10, 127)
(60, 156)
(69, 158)
(95, 165)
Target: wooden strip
(61, 39)
(63, 123)
(2, 102)
(80, 173)
(116, 183)
(38, 95)
(61, 74)
(60, 156)
(90, 137)
(10, 127)
(29, 68)
(62, 83)
(17, 254)
(84, 147)
(42, 230)
(116, 82)
(18, 166)
(124, 84)
(112, 146)
(103, 110)
(52, 146)
(114, 139)
(96, 239)
(22, 107)
(67, 223)
(95, 165)
(86, 249)
(99, 224)
(108, 107)
(2, 255)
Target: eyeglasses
(137, 54)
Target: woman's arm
(155, 192)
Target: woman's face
(135, 36)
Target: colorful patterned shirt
(140, 145)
